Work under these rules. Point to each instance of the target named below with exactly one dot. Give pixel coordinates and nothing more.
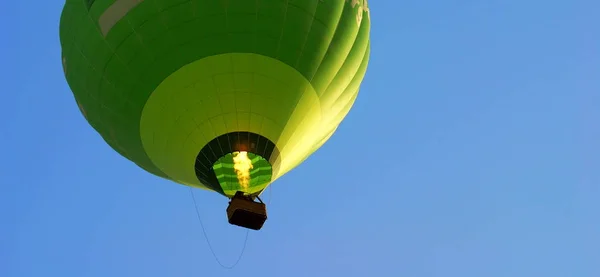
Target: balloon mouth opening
(256, 161)
(243, 171)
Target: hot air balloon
(221, 95)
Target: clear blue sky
(480, 121)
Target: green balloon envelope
(177, 86)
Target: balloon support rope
(260, 200)
(208, 241)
